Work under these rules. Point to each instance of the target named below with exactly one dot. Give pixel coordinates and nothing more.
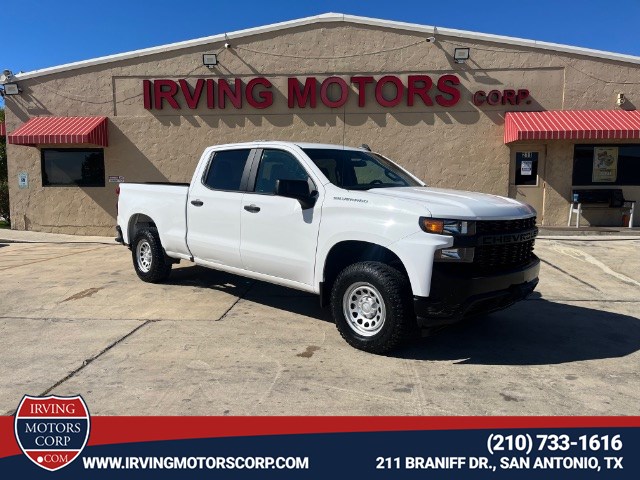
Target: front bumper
(456, 295)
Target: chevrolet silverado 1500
(387, 253)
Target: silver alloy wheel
(144, 256)
(364, 309)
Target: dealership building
(541, 122)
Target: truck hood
(458, 204)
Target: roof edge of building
(332, 17)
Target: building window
(606, 165)
(72, 166)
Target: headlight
(447, 227)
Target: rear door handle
(252, 208)
(197, 203)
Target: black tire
(372, 288)
(156, 267)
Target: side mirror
(298, 189)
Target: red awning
(3, 131)
(61, 130)
(572, 125)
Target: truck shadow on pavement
(533, 332)
(277, 297)
(201, 277)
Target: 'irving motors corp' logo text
(52, 431)
(310, 92)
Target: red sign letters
(333, 92)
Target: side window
(277, 165)
(225, 170)
(329, 167)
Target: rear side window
(225, 170)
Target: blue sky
(38, 34)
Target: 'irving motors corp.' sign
(334, 92)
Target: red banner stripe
(113, 430)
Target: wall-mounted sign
(333, 92)
(23, 180)
(605, 164)
(502, 97)
(526, 167)
(116, 179)
(310, 92)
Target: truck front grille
(484, 227)
(505, 255)
(509, 255)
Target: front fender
(326, 246)
(416, 253)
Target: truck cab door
(213, 208)
(279, 237)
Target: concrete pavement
(74, 318)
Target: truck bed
(165, 203)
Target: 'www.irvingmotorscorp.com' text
(196, 463)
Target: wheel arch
(137, 222)
(348, 252)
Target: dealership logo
(420, 90)
(52, 431)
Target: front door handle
(252, 208)
(197, 203)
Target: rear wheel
(371, 306)
(149, 259)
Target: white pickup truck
(387, 253)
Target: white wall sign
(23, 180)
(525, 167)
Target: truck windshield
(358, 170)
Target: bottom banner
(442, 448)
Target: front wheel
(371, 306)
(149, 258)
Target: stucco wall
(460, 147)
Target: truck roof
(298, 144)
(326, 146)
